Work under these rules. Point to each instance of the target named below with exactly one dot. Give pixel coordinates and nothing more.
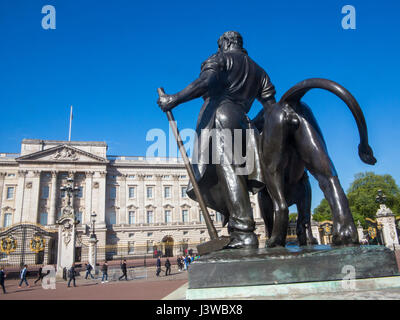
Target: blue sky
(107, 58)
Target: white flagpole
(70, 124)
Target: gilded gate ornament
(37, 244)
(8, 245)
(372, 232)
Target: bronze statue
(229, 82)
(291, 143)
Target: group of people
(104, 270)
(167, 265)
(184, 261)
(22, 277)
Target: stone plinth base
(249, 268)
(293, 289)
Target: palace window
(185, 215)
(10, 192)
(131, 217)
(113, 193)
(149, 216)
(167, 192)
(149, 192)
(45, 192)
(112, 218)
(43, 218)
(7, 220)
(80, 193)
(183, 192)
(218, 217)
(62, 194)
(167, 214)
(201, 216)
(131, 247)
(79, 217)
(149, 246)
(131, 192)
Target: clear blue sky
(107, 58)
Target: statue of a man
(229, 82)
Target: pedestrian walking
(88, 271)
(40, 274)
(23, 275)
(71, 275)
(186, 262)
(123, 269)
(104, 269)
(158, 270)
(167, 267)
(179, 262)
(2, 278)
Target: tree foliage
(362, 194)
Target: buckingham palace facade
(140, 204)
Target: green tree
(293, 217)
(362, 194)
(363, 191)
(322, 212)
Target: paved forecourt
(152, 288)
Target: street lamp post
(93, 244)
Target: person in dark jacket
(104, 269)
(23, 275)
(158, 270)
(88, 271)
(123, 268)
(2, 278)
(167, 267)
(71, 275)
(179, 262)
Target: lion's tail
(294, 95)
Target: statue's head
(230, 40)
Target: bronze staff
(216, 242)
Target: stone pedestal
(360, 232)
(315, 231)
(277, 266)
(66, 240)
(386, 219)
(93, 253)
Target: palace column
(158, 199)
(176, 194)
(141, 199)
(88, 197)
(2, 177)
(53, 198)
(122, 199)
(33, 209)
(19, 197)
(101, 214)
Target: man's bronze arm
(196, 89)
